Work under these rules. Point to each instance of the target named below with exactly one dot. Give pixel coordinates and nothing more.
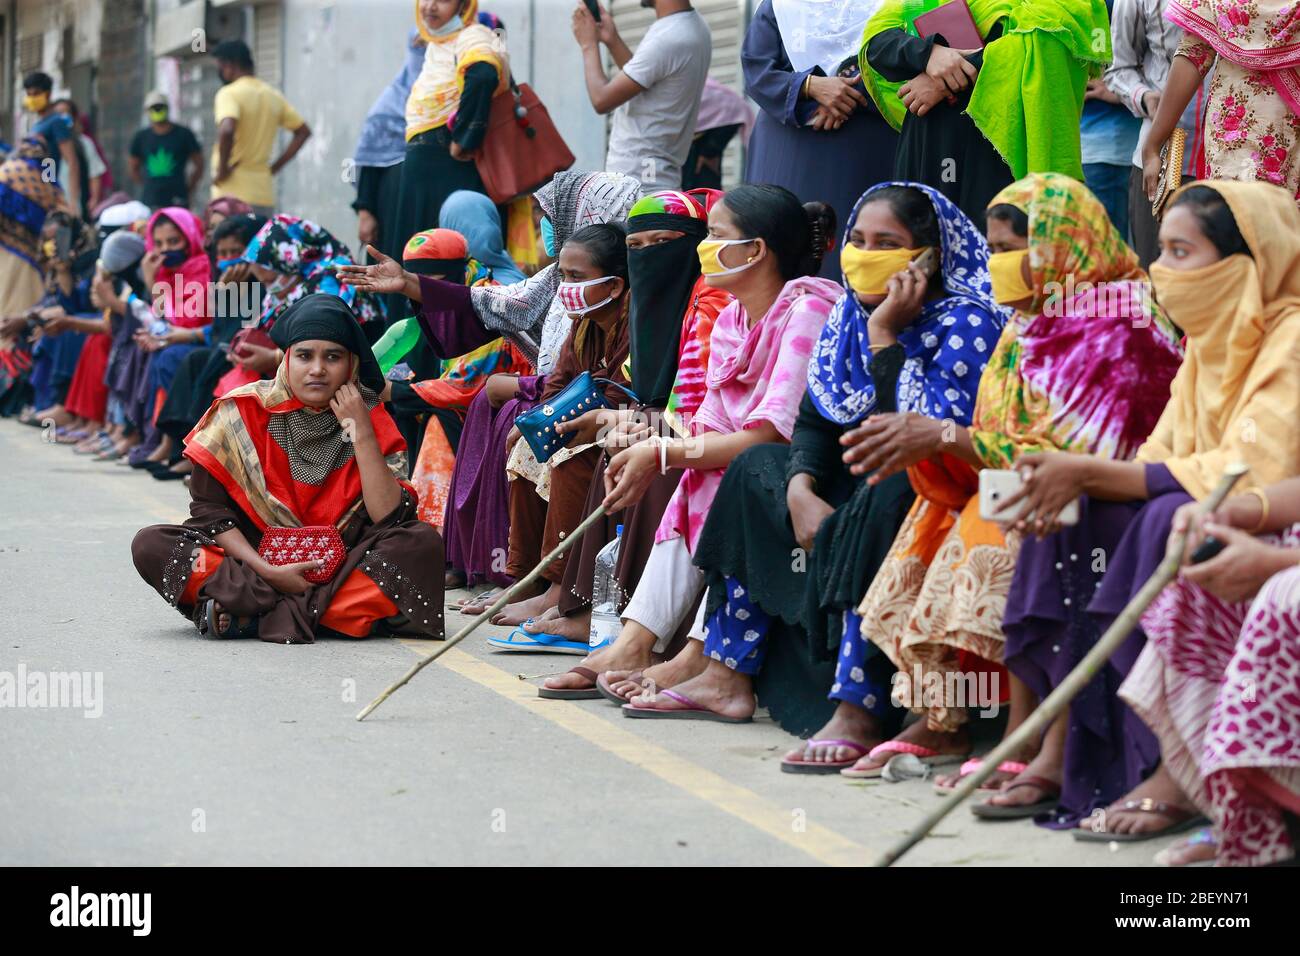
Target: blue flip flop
(538, 643)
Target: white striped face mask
(573, 296)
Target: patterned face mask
(573, 296)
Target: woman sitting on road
(764, 248)
(311, 447)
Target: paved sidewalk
(246, 753)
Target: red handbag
(313, 543)
(522, 149)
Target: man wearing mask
(249, 112)
(655, 92)
(55, 129)
(166, 158)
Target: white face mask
(450, 27)
(573, 296)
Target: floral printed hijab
(299, 249)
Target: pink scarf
(184, 288)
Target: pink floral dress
(1251, 132)
(755, 375)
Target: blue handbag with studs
(537, 425)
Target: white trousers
(663, 597)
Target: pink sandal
(927, 756)
(1013, 767)
(688, 710)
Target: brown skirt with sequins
(402, 555)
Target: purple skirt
(1067, 589)
(477, 526)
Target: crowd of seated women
(791, 465)
(794, 483)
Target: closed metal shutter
(268, 43)
(726, 20)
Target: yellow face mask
(869, 270)
(1008, 281)
(709, 251)
(34, 104)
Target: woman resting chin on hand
(306, 451)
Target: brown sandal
(574, 693)
(609, 693)
(995, 811)
(1180, 819)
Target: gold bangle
(1263, 504)
(803, 90)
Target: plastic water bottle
(394, 344)
(605, 622)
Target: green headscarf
(1021, 101)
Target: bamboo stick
(1074, 682)
(501, 602)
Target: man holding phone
(655, 92)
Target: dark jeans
(1146, 231)
(1109, 183)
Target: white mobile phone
(998, 485)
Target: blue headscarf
(475, 217)
(946, 347)
(383, 134)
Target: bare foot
(718, 688)
(949, 780)
(575, 628)
(957, 744)
(1046, 765)
(520, 611)
(56, 413)
(1158, 788)
(623, 654)
(224, 621)
(687, 663)
(849, 722)
(479, 603)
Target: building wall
(55, 22)
(340, 54)
(335, 57)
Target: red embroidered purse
(314, 543)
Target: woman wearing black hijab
(286, 459)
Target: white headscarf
(822, 32)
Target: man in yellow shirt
(249, 113)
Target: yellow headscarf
(1237, 395)
(468, 15)
(438, 88)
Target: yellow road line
(819, 842)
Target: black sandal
(233, 630)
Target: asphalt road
(244, 753)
